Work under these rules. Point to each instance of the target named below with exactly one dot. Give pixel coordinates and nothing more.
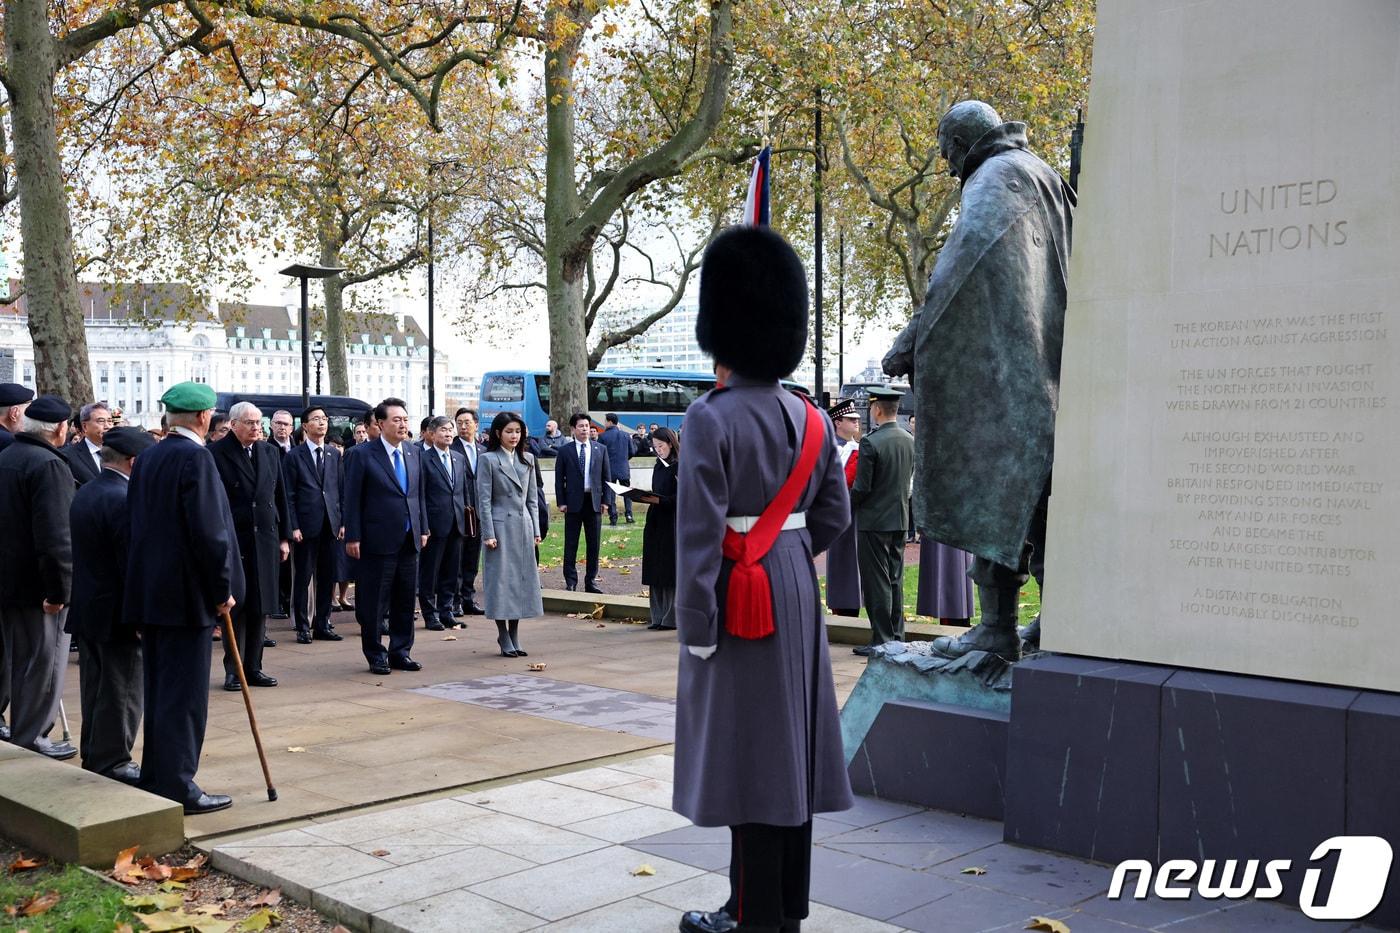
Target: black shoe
(570, 586)
(700, 921)
(472, 609)
(343, 606)
(433, 625)
(58, 751)
(327, 635)
(613, 523)
(591, 588)
(405, 664)
(379, 667)
(4, 733)
(864, 651)
(231, 683)
(259, 679)
(129, 773)
(303, 638)
(208, 803)
(275, 615)
(631, 520)
(269, 642)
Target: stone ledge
(75, 816)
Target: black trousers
(385, 583)
(112, 693)
(250, 628)
(313, 556)
(438, 567)
(176, 676)
(284, 586)
(470, 566)
(880, 556)
(610, 499)
(770, 873)
(1032, 564)
(592, 525)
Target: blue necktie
(402, 474)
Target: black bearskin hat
(753, 303)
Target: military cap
(189, 396)
(885, 394)
(12, 393)
(50, 409)
(845, 408)
(128, 441)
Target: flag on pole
(756, 202)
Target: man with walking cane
(183, 569)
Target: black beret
(128, 441)
(12, 393)
(49, 409)
(753, 303)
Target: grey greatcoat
(506, 503)
(985, 352)
(757, 734)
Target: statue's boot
(995, 634)
(1030, 635)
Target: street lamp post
(318, 353)
(307, 272)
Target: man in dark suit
(445, 511)
(281, 441)
(109, 655)
(384, 531)
(580, 473)
(311, 476)
(465, 444)
(182, 570)
(84, 457)
(252, 478)
(619, 445)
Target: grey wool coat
(506, 505)
(757, 734)
(985, 351)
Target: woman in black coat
(659, 536)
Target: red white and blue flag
(756, 202)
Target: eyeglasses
(316, 419)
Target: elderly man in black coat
(36, 554)
(183, 568)
(251, 472)
(109, 656)
(14, 399)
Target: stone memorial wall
(1226, 488)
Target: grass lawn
(84, 902)
(621, 549)
(1029, 603)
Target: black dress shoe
(701, 921)
(405, 664)
(231, 683)
(570, 586)
(303, 638)
(129, 773)
(433, 625)
(631, 520)
(58, 751)
(327, 635)
(590, 588)
(269, 642)
(4, 733)
(208, 803)
(379, 667)
(275, 615)
(472, 609)
(259, 679)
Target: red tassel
(748, 608)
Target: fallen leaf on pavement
(449, 638)
(537, 667)
(24, 864)
(270, 898)
(573, 615)
(601, 625)
(171, 886)
(125, 869)
(380, 852)
(974, 870)
(158, 901)
(198, 861)
(1048, 925)
(38, 904)
(260, 920)
(597, 612)
(170, 920)
(296, 748)
(624, 570)
(154, 870)
(643, 870)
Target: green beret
(188, 396)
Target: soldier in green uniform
(880, 496)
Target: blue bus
(638, 396)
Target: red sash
(748, 611)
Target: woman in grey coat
(758, 739)
(506, 504)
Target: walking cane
(63, 717)
(232, 644)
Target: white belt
(743, 524)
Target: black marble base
(1082, 757)
(935, 755)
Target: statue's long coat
(985, 351)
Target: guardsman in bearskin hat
(758, 741)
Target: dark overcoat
(258, 503)
(659, 534)
(758, 739)
(184, 559)
(985, 351)
(81, 462)
(101, 536)
(619, 445)
(36, 550)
